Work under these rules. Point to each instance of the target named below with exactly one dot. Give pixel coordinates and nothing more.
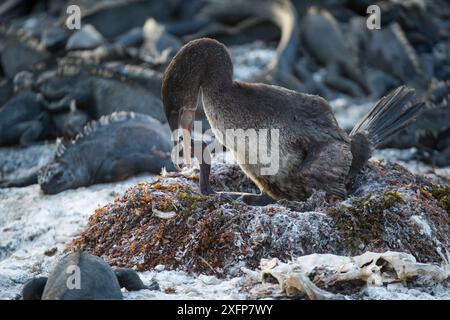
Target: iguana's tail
(21, 182)
(389, 115)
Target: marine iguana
(100, 91)
(108, 16)
(110, 149)
(115, 52)
(14, 8)
(422, 36)
(430, 134)
(6, 91)
(23, 118)
(26, 118)
(389, 50)
(314, 153)
(19, 51)
(245, 31)
(326, 43)
(97, 280)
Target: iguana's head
(60, 176)
(23, 80)
(55, 86)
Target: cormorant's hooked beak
(184, 122)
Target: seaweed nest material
(168, 222)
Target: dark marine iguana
(26, 118)
(23, 119)
(430, 133)
(6, 91)
(389, 50)
(83, 276)
(14, 8)
(100, 91)
(108, 16)
(326, 43)
(104, 54)
(113, 148)
(424, 35)
(19, 50)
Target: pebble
(86, 38)
(160, 268)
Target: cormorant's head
(200, 64)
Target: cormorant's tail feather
(389, 115)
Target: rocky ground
(207, 247)
(200, 247)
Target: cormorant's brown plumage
(314, 152)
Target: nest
(167, 221)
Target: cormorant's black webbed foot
(256, 199)
(204, 185)
(33, 289)
(204, 158)
(248, 198)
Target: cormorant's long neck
(202, 63)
